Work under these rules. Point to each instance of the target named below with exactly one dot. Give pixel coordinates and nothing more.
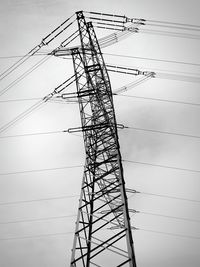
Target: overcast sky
(23, 24)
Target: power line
(174, 24)
(23, 115)
(160, 99)
(163, 74)
(167, 233)
(36, 200)
(132, 84)
(36, 236)
(25, 74)
(41, 170)
(69, 216)
(171, 34)
(37, 105)
(21, 56)
(162, 132)
(143, 22)
(162, 166)
(168, 196)
(66, 233)
(161, 25)
(45, 41)
(36, 134)
(72, 196)
(7, 57)
(115, 94)
(31, 134)
(171, 76)
(31, 69)
(53, 100)
(38, 219)
(156, 72)
(20, 99)
(19, 62)
(166, 216)
(153, 59)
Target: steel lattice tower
(103, 232)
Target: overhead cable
(152, 59)
(66, 233)
(67, 101)
(20, 56)
(154, 71)
(159, 100)
(164, 216)
(19, 62)
(41, 170)
(45, 41)
(38, 105)
(36, 236)
(172, 76)
(25, 74)
(162, 132)
(143, 23)
(151, 74)
(131, 85)
(119, 55)
(171, 34)
(31, 69)
(31, 134)
(37, 219)
(166, 25)
(34, 99)
(167, 196)
(68, 216)
(162, 166)
(20, 100)
(36, 200)
(168, 234)
(184, 26)
(36, 134)
(72, 196)
(22, 116)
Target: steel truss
(103, 233)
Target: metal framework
(103, 232)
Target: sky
(23, 24)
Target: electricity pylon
(103, 232)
